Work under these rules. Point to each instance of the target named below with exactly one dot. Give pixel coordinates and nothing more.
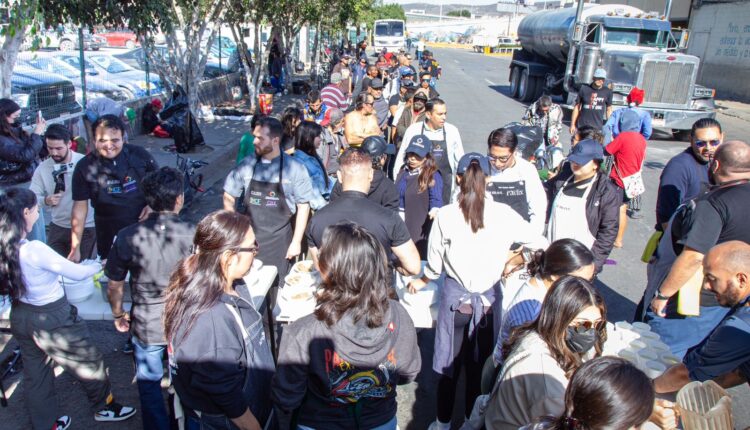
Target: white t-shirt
(476, 260)
(42, 267)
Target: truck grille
(667, 82)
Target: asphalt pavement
(475, 88)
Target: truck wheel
(681, 135)
(515, 77)
(526, 87)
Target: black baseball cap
(377, 146)
(420, 145)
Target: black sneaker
(114, 412)
(128, 347)
(62, 423)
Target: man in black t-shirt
(719, 216)
(110, 177)
(355, 173)
(594, 104)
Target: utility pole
(441, 10)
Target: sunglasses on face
(703, 143)
(253, 249)
(588, 325)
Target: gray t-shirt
(296, 181)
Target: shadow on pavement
(619, 307)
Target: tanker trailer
(561, 49)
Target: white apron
(568, 217)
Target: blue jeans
(681, 334)
(149, 370)
(390, 425)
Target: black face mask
(16, 124)
(580, 341)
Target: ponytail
(536, 265)
(13, 201)
(471, 200)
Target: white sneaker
(437, 425)
(114, 412)
(62, 423)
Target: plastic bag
(178, 117)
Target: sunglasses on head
(253, 249)
(703, 143)
(588, 325)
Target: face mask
(580, 342)
(16, 123)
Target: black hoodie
(331, 374)
(382, 191)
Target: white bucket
(78, 291)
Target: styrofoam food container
(654, 369)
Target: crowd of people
(370, 181)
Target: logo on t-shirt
(595, 102)
(130, 185)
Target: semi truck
(561, 49)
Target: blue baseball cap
(585, 151)
(405, 71)
(420, 145)
(467, 159)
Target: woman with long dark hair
(541, 356)
(469, 241)
(19, 154)
(220, 360)
(524, 293)
(47, 327)
(605, 393)
(420, 189)
(291, 118)
(306, 143)
(339, 367)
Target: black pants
(463, 350)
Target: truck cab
(634, 47)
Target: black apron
(440, 154)
(512, 194)
(416, 210)
(265, 202)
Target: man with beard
(686, 175)
(716, 217)
(723, 356)
(52, 184)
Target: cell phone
(39, 116)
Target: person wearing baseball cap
(380, 104)
(342, 68)
(594, 104)
(382, 190)
(583, 203)
(413, 111)
(333, 94)
(420, 188)
(473, 232)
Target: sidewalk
(733, 109)
(222, 137)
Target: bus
(389, 34)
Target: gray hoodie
(344, 376)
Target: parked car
(214, 68)
(120, 39)
(64, 40)
(49, 93)
(107, 67)
(95, 87)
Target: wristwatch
(661, 296)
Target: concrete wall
(680, 8)
(720, 36)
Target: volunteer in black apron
(447, 147)
(266, 200)
(514, 181)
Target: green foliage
(463, 13)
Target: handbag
(633, 184)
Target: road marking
(490, 82)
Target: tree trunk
(245, 60)
(260, 64)
(8, 57)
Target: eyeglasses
(500, 159)
(368, 104)
(588, 325)
(255, 249)
(702, 143)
